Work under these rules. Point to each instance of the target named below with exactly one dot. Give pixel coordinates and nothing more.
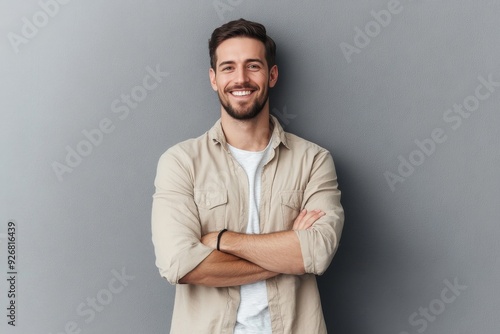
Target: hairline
(247, 60)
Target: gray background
(399, 245)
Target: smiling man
(245, 215)
(249, 88)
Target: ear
(211, 74)
(273, 76)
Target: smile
(241, 92)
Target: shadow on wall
(340, 304)
(371, 268)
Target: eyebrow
(231, 62)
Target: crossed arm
(184, 255)
(247, 258)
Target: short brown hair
(242, 28)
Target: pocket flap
(292, 198)
(209, 199)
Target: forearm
(276, 252)
(220, 270)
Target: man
(246, 215)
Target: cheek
(261, 79)
(218, 85)
(224, 87)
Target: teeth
(241, 93)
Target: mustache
(245, 86)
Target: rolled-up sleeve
(175, 225)
(319, 244)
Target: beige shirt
(200, 188)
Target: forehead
(239, 49)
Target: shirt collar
(216, 134)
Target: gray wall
(382, 92)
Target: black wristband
(218, 238)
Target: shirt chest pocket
(212, 205)
(291, 204)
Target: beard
(241, 113)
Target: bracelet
(218, 238)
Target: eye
(227, 68)
(254, 66)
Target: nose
(241, 75)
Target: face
(242, 78)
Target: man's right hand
(305, 219)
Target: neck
(249, 135)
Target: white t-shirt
(253, 312)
